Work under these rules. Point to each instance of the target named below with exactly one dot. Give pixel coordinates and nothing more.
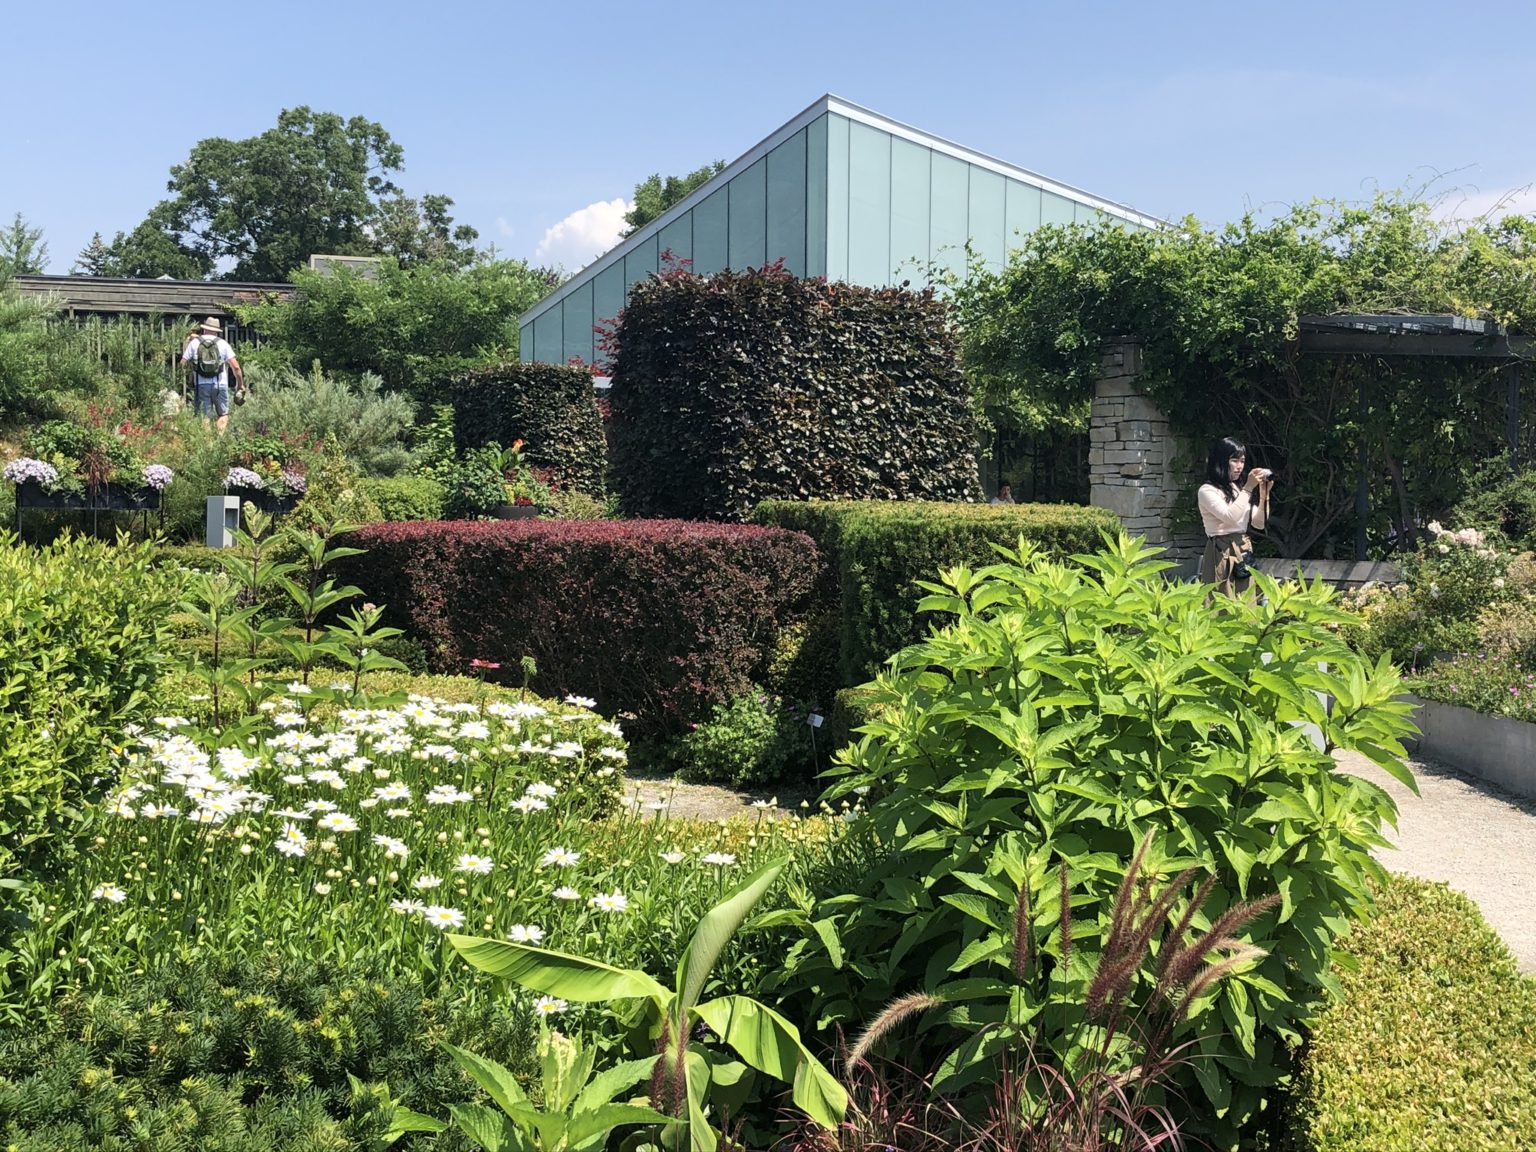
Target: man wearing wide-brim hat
(211, 360)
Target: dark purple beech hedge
(660, 619)
(750, 386)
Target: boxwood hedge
(746, 386)
(1432, 1043)
(551, 407)
(875, 551)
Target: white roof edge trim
(816, 110)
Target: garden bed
(103, 498)
(1498, 749)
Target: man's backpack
(206, 361)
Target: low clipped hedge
(551, 407)
(658, 620)
(406, 497)
(744, 386)
(875, 552)
(1432, 1043)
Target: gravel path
(1480, 841)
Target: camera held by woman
(1233, 499)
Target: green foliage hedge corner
(745, 386)
(551, 407)
(877, 550)
(1431, 1042)
(406, 497)
(80, 649)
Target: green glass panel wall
(1089, 216)
(1056, 209)
(608, 292)
(787, 204)
(677, 238)
(910, 177)
(951, 205)
(837, 197)
(988, 215)
(869, 205)
(710, 242)
(816, 197)
(578, 324)
(525, 343)
(549, 336)
(749, 217)
(639, 262)
(1022, 213)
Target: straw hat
(210, 325)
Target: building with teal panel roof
(839, 191)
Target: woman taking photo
(1230, 504)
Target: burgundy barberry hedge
(660, 619)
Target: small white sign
(814, 719)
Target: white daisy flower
(610, 902)
(292, 842)
(469, 862)
(719, 859)
(322, 889)
(527, 804)
(549, 1005)
(581, 702)
(559, 858)
(407, 907)
(110, 892)
(422, 883)
(525, 934)
(392, 848)
(443, 918)
(541, 790)
(672, 857)
(474, 730)
(338, 822)
(566, 892)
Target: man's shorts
(212, 396)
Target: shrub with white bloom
(525, 934)
(109, 892)
(25, 470)
(610, 902)
(469, 862)
(443, 918)
(559, 858)
(243, 478)
(549, 1005)
(422, 883)
(566, 892)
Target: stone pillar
(1135, 463)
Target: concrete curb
(1497, 749)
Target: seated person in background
(1004, 494)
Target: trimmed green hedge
(875, 551)
(746, 386)
(406, 497)
(1433, 1042)
(551, 407)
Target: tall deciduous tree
(258, 208)
(23, 252)
(656, 194)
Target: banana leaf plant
(682, 1076)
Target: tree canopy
(1217, 312)
(23, 251)
(261, 206)
(655, 194)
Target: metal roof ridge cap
(751, 156)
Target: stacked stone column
(1132, 456)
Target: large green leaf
(715, 929)
(587, 1127)
(770, 1043)
(489, 1128)
(496, 1080)
(557, 973)
(607, 1084)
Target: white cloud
(584, 235)
(506, 230)
(1472, 203)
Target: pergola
(1422, 337)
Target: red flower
(489, 665)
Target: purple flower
(25, 470)
(243, 478)
(158, 477)
(295, 482)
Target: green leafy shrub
(81, 651)
(877, 551)
(552, 408)
(368, 424)
(1430, 1041)
(1502, 503)
(749, 740)
(406, 497)
(1061, 714)
(746, 386)
(249, 1054)
(1489, 682)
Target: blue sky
(531, 115)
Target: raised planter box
(103, 498)
(515, 512)
(1497, 749)
(263, 499)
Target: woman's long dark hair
(1216, 470)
